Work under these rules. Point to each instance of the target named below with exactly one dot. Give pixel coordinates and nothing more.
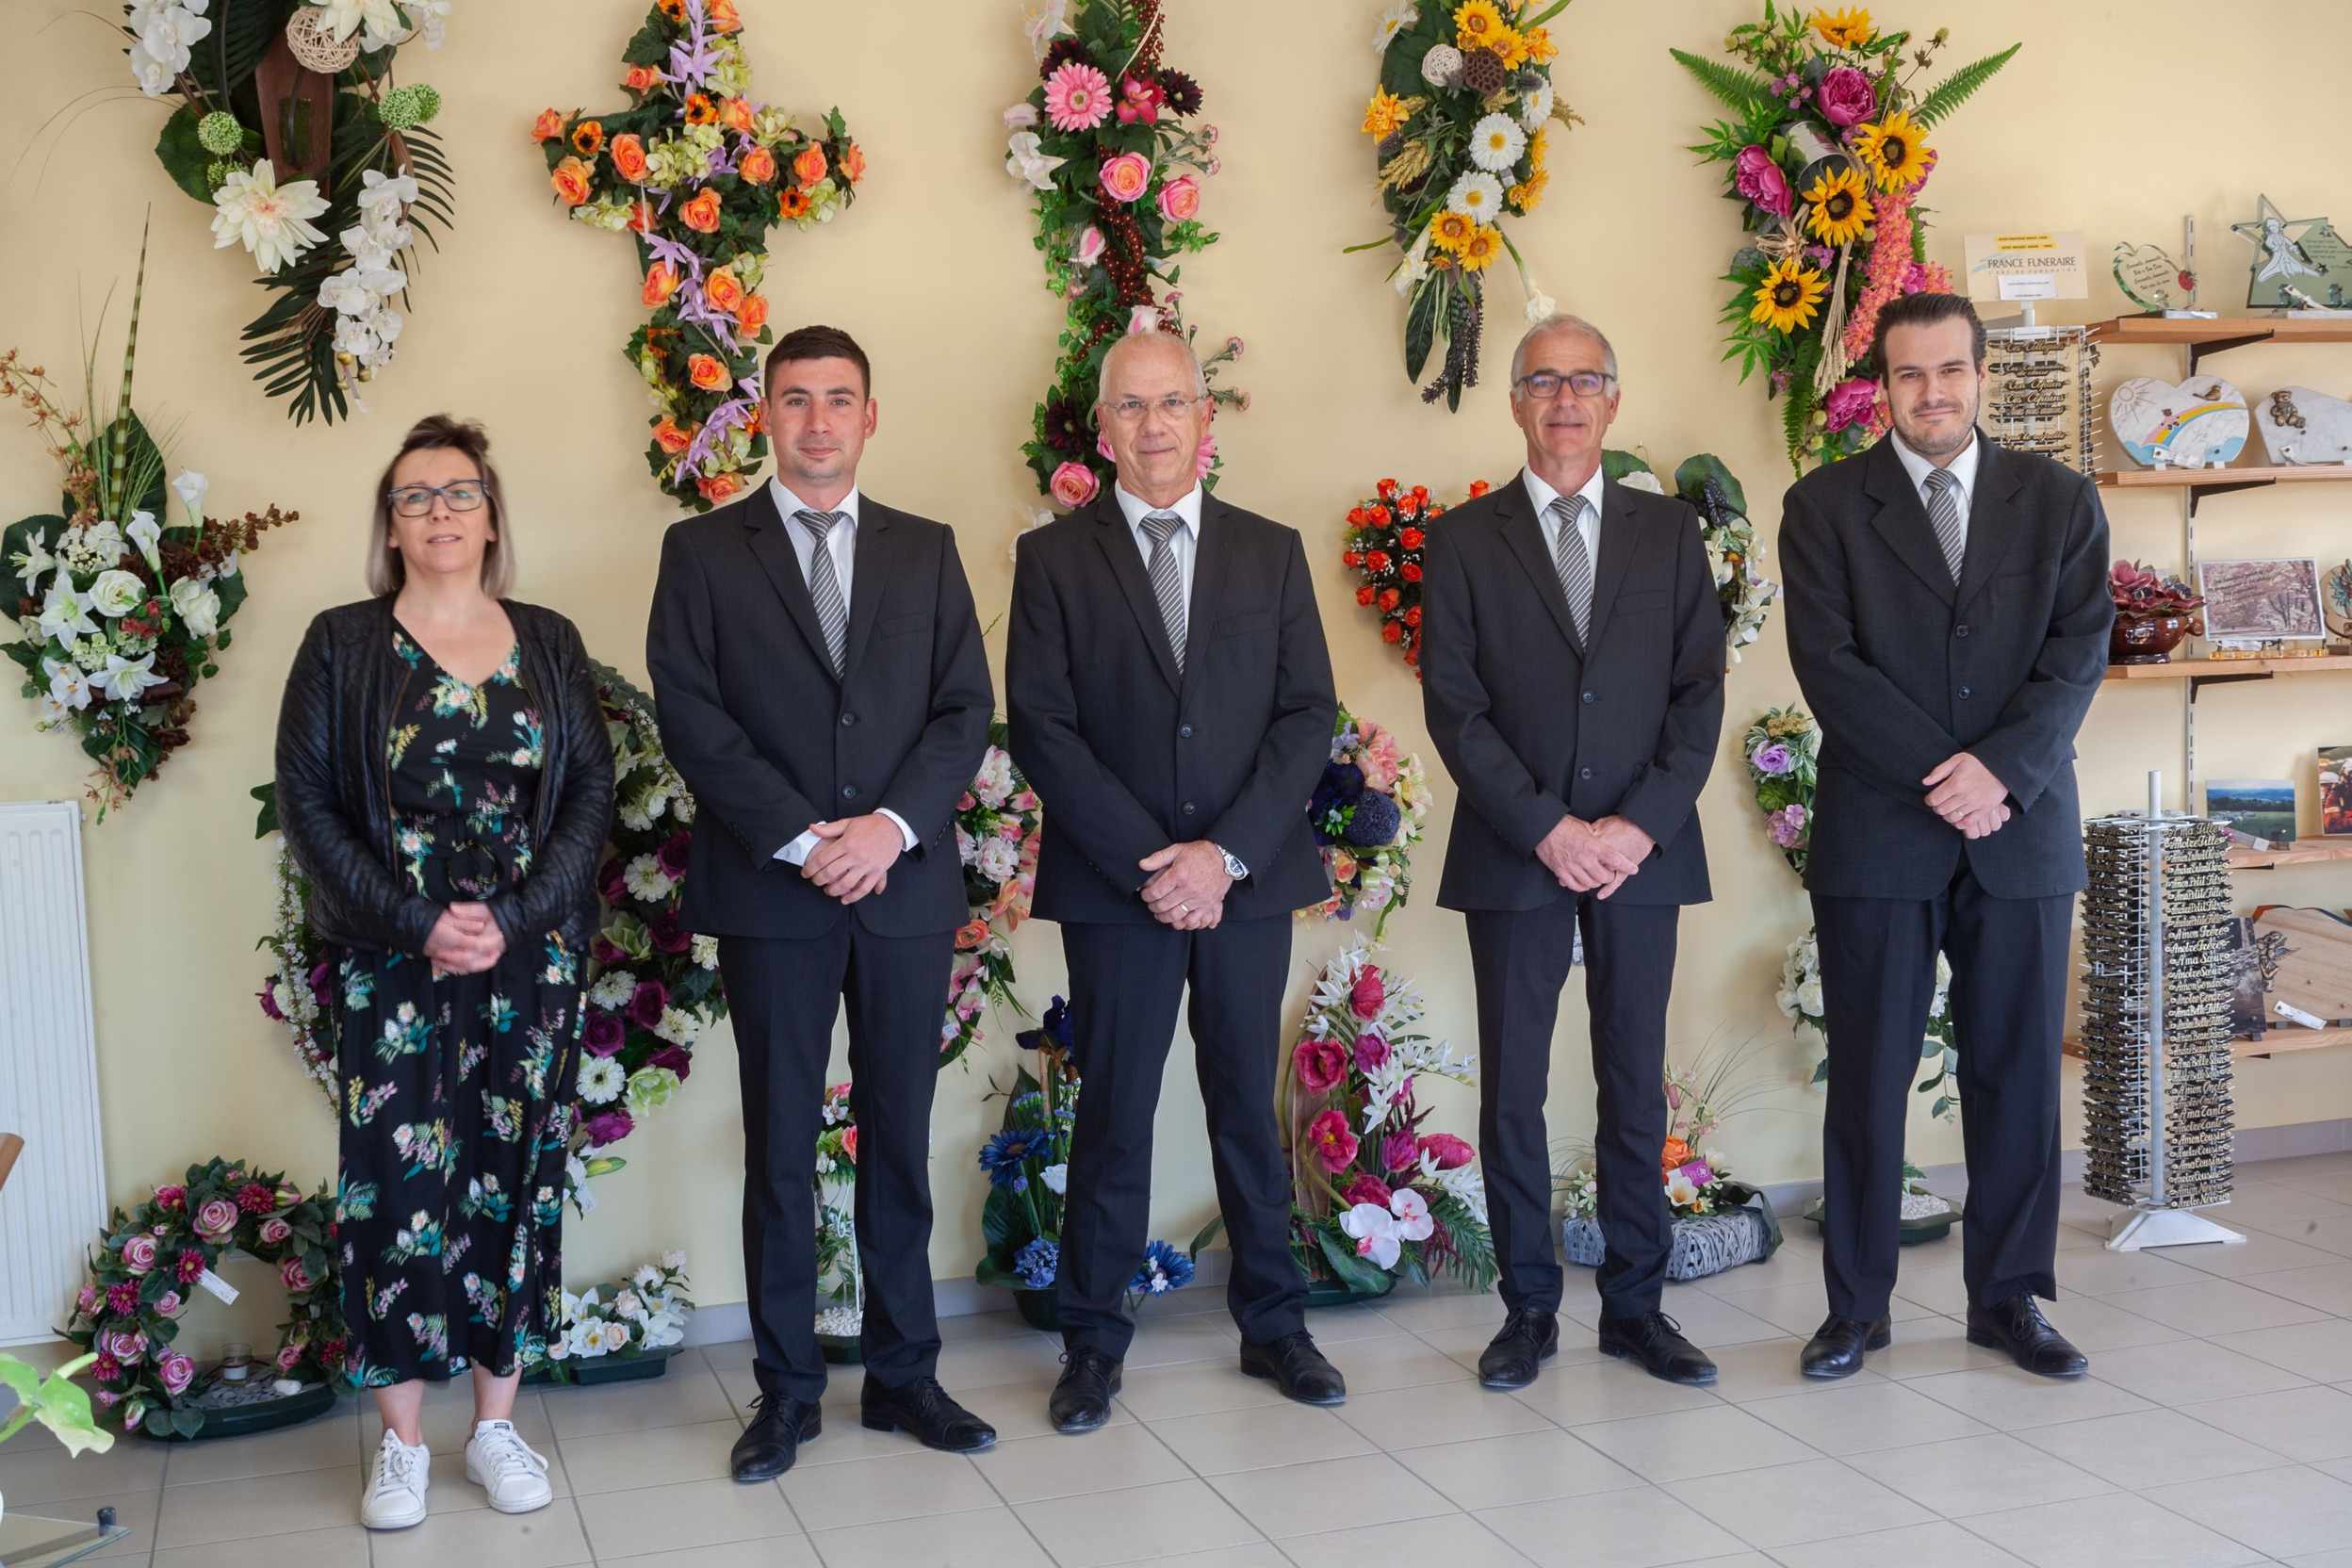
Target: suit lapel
(870, 555)
(1901, 519)
(1212, 579)
(1523, 531)
(1619, 538)
(773, 550)
(1993, 521)
(1117, 543)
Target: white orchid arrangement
(630, 1317)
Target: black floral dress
(457, 1090)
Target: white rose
(199, 607)
(1809, 998)
(116, 593)
(1643, 480)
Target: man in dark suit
(1170, 700)
(1948, 617)
(1573, 677)
(824, 694)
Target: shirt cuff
(904, 831)
(796, 853)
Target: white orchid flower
(65, 615)
(68, 686)
(1374, 1230)
(124, 679)
(34, 562)
(1413, 1214)
(1044, 23)
(1025, 159)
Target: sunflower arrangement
(1106, 144)
(1825, 151)
(1460, 122)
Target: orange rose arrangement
(697, 170)
(1385, 535)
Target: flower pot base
(1038, 1309)
(1334, 1293)
(264, 1416)
(608, 1370)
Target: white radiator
(56, 1199)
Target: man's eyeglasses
(1128, 410)
(1545, 385)
(416, 500)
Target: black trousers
(783, 996)
(1125, 982)
(1520, 959)
(2009, 960)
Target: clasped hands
(1965, 794)
(1187, 885)
(465, 940)
(1595, 857)
(853, 857)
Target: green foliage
(1739, 89)
(223, 62)
(1428, 303)
(57, 1401)
(1956, 88)
(183, 157)
(1691, 478)
(1356, 1273)
(1470, 1249)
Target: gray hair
(1560, 323)
(1199, 377)
(387, 571)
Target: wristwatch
(1234, 867)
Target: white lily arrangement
(630, 1317)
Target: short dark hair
(1923, 310)
(386, 572)
(819, 343)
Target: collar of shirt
(787, 503)
(1135, 508)
(1543, 494)
(1961, 467)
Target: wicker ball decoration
(316, 48)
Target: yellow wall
(2114, 120)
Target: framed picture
(2335, 790)
(2258, 808)
(2261, 600)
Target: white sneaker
(501, 1463)
(395, 1498)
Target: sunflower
(1849, 28)
(1896, 150)
(1450, 231)
(1486, 243)
(1839, 207)
(1479, 25)
(1787, 298)
(1512, 46)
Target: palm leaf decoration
(225, 60)
(1956, 88)
(1738, 89)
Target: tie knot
(1570, 509)
(1941, 480)
(1159, 524)
(820, 523)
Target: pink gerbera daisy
(1077, 97)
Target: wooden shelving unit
(2278, 1042)
(2302, 851)
(2206, 671)
(2222, 333)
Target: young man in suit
(1573, 679)
(823, 692)
(1948, 617)
(1171, 702)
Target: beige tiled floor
(2216, 1429)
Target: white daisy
(613, 988)
(601, 1080)
(1536, 108)
(1478, 196)
(1495, 142)
(1395, 20)
(269, 220)
(647, 880)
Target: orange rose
(661, 283)
(702, 213)
(720, 487)
(809, 167)
(642, 79)
(791, 202)
(671, 439)
(753, 313)
(588, 138)
(758, 166)
(724, 289)
(629, 156)
(547, 126)
(641, 217)
(854, 163)
(735, 115)
(700, 110)
(1676, 1152)
(570, 179)
(707, 373)
(722, 16)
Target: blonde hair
(387, 571)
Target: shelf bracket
(2198, 492)
(2199, 682)
(2198, 351)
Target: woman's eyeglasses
(416, 500)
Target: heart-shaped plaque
(2300, 425)
(2200, 421)
(2151, 279)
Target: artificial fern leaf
(1956, 88)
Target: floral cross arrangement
(149, 1261)
(1825, 154)
(998, 824)
(290, 128)
(1368, 811)
(1800, 999)
(697, 170)
(628, 1319)
(1695, 1175)
(119, 610)
(1385, 536)
(1784, 749)
(1461, 121)
(1104, 140)
(1732, 548)
(1374, 1198)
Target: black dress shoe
(1836, 1349)
(1531, 1335)
(2019, 1326)
(1656, 1341)
(1297, 1367)
(1082, 1399)
(922, 1409)
(772, 1442)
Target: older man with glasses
(1573, 677)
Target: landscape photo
(2259, 808)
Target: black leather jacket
(335, 783)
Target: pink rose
(1091, 246)
(176, 1371)
(133, 1413)
(1369, 996)
(1846, 98)
(1849, 401)
(170, 1304)
(86, 1301)
(289, 1357)
(274, 1230)
(1074, 485)
(138, 1253)
(1179, 199)
(1376, 756)
(1320, 1064)
(1334, 1146)
(216, 1220)
(128, 1347)
(296, 1278)
(1367, 1188)
(1450, 1151)
(1757, 178)
(1126, 177)
(1371, 1052)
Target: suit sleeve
(1081, 797)
(743, 790)
(563, 880)
(1880, 735)
(2035, 736)
(1297, 743)
(1666, 791)
(955, 738)
(1492, 780)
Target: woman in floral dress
(444, 781)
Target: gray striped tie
(1943, 510)
(1167, 580)
(825, 586)
(1573, 561)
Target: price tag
(222, 1291)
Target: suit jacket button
(1966, 693)
(848, 719)
(1584, 772)
(849, 791)
(1187, 808)
(1184, 732)
(1592, 697)
(1960, 632)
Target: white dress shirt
(840, 543)
(1589, 525)
(1185, 540)
(1961, 467)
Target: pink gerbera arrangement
(1077, 97)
